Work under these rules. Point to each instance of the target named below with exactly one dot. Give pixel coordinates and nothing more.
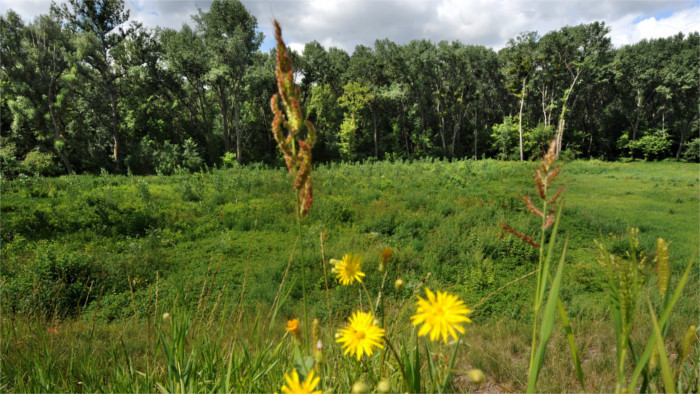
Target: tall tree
(574, 54)
(38, 81)
(519, 56)
(186, 73)
(231, 40)
(98, 25)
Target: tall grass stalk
(296, 151)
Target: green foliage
(536, 141)
(653, 146)
(228, 160)
(505, 137)
(354, 99)
(95, 252)
(39, 163)
(9, 164)
(85, 84)
(692, 150)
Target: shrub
(9, 165)
(692, 150)
(39, 163)
(653, 146)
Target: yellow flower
(294, 386)
(348, 269)
(293, 327)
(440, 315)
(360, 336)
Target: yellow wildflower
(440, 315)
(307, 386)
(360, 336)
(348, 269)
(293, 327)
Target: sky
(345, 24)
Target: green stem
(301, 247)
(303, 275)
(540, 276)
(369, 299)
(398, 360)
(448, 376)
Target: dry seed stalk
(521, 236)
(544, 176)
(296, 152)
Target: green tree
(229, 34)
(38, 77)
(574, 55)
(99, 32)
(186, 78)
(519, 56)
(355, 99)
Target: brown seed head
(521, 236)
(531, 207)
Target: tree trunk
(520, 117)
(562, 120)
(374, 123)
(442, 135)
(636, 120)
(115, 121)
(680, 145)
(227, 122)
(476, 132)
(57, 133)
(239, 131)
(455, 128)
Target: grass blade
(547, 323)
(663, 359)
(572, 343)
(662, 320)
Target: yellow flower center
(360, 335)
(439, 312)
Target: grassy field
(90, 265)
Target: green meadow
(90, 264)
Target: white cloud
(633, 28)
(346, 23)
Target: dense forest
(84, 89)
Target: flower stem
(369, 299)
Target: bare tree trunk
(476, 132)
(680, 145)
(520, 117)
(227, 122)
(239, 131)
(376, 142)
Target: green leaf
(664, 317)
(547, 323)
(663, 358)
(572, 343)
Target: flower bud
(384, 386)
(476, 376)
(398, 285)
(166, 316)
(318, 356)
(359, 388)
(386, 254)
(293, 328)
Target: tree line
(84, 89)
